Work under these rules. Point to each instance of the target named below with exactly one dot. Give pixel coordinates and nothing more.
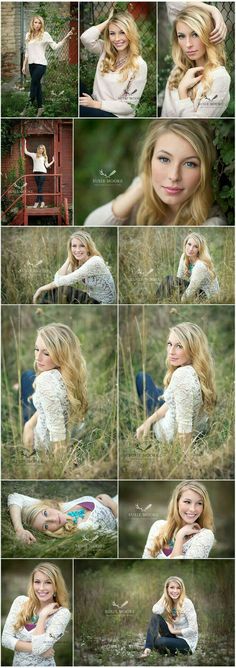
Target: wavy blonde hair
(64, 349)
(201, 21)
(31, 607)
(169, 604)
(126, 22)
(195, 343)
(29, 514)
(203, 254)
(31, 34)
(89, 244)
(195, 210)
(174, 522)
(44, 153)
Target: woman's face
(175, 170)
(174, 590)
(37, 25)
(189, 41)
(42, 358)
(79, 250)
(118, 37)
(43, 587)
(40, 149)
(192, 249)
(176, 354)
(49, 519)
(190, 506)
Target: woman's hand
(87, 101)
(24, 70)
(220, 31)
(37, 294)
(28, 436)
(25, 536)
(190, 79)
(49, 653)
(105, 499)
(189, 529)
(48, 610)
(143, 430)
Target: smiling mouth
(172, 191)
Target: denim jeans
(152, 392)
(36, 72)
(27, 379)
(39, 179)
(159, 637)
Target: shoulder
(156, 526)
(19, 601)
(183, 372)
(142, 64)
(95, 260)
(206, 534)
(46, 378)
(220, 73)
(188, 604)
(46, 35)
(200, 266)
(63, 614)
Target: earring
(54, 596)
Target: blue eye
(191, 164)
(163, 159)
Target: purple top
(29, 626)
(88, 505)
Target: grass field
(92, 450)
(143, 334)
(83, 544)
(108, 634)
(31, 257)
(147, 255)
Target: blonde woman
(182, 410)
(121, 72)
(37, 621)
(173, 627)
(199, 84)
(59, 389)
(36, 42)
(187, 532)
(40, 166)
(174, 182)
(58, 519)
(84, 264)
(196, 275)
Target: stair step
(45, 211)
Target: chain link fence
(144, 14)
(165, 62)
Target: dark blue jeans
(36, 72)
(153, 393)
(27, 379)
(39, 179)
(159, 637)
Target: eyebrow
(162, 150)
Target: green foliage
(223, 170)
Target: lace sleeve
(20, 500)
(200, 545)
(198, 274)
(55, 630)
(191, 616)
(183, 398)
(9, 638)
(46, 387)
(158, 607)
(93, 266)
(153, 533)
(180, 272)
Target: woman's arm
(105, 215)
(199, 273)
(180, 272)
(43, 639)
(106, 500)
(144, 428)
(90, 37)
(220, 30)
(47, 388)
(32, 155)
(212, 104)
(92, 267)
(44, 288)
(28, 431)
(123, 204)
(57, 45)
(49, 164)
(22, 534)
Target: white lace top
(97, 278)
(101, 518)
(186, 622)
(54, 629)
(200, 279)
(52, 405)
(35, 49)
(118, 97)
(104, 216)
(185, 413)
(196, 547)
(40, 164)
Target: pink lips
(172, 191)
(191, 53)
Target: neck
(200, 62)
(42, 604)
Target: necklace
(34, 619)
(75, 514)
(120, 62)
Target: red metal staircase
(57, 205)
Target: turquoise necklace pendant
(75, 514)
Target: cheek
(192, 179)
(156, 172)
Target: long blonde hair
(195, 343)
(89, 244)
(203, 254)
(169, 604)
(174, 521)
(31, 34)
(29, 514)
(44, 153)
(31, 606)
(64, 349)
(199, 20)
(126, 22)
(193, 211)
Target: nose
(188, 41)
(174, 172)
